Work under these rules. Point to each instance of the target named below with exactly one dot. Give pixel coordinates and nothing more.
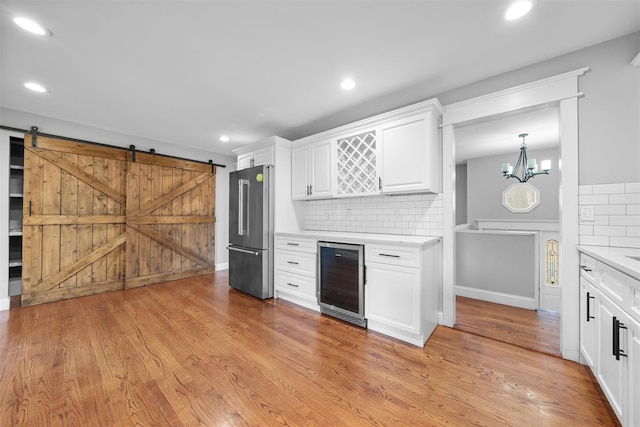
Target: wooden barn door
(73, 220)
(170, 219)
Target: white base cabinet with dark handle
(295, 271)
(610, 334)
(402, 278)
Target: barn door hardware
(152, 151)
(34, 136)
(133, 152)
(213, 166)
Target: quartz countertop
(616, 257)
(362, 238)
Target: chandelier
(525, 168)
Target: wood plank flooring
(531, 329)
(195, 352)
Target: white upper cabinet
(409, 155)
(261, 156)
(311, 171)
(393, 153)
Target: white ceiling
(187, 72)
(492, 137)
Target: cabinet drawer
(296, 244)
(296, 262)
(396, 255)
(302, 286)
(588, 268)
(613, 284)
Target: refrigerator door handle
(246, 251)
(243, 208)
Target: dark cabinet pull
(310, 190)
(617, 325)
(292, 262)
(292, 244)
(390, 255)
(379, 183)
(589, 316)
(585, 268)
(292, 284)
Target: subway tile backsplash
(414, 214)
(616, 214)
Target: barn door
(73, 220)
(170, 219)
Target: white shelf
(16, 195)
(15, 263)
(13, 233)
(17, 167)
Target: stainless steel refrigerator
(251, 231)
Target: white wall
(22, 120)
(609, 129)
(485, 185)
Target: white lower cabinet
(295, 271)
(589, 305)
(612, 369)
(610, 335)
(401, 291)
(634, 364)
(392, 299)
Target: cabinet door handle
(617, 351)
(390, 255)
(585, 268)
(379, 183)
(293, 284)
(589, 316)
(310, 190)
(292, 244)
(292, 262)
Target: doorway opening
(505, 285)
(560, 91)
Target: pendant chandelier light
(525, 168)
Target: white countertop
(615, 257)
(363, 238)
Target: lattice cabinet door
(356, 160)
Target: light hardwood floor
(531, 329)
(196, 352)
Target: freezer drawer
(250, 271)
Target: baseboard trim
(5, 304)
(222, 266)
(497, 297)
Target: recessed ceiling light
(31, 26)
(518, 9)
(224, 138)
(347, 84)
(36, 87)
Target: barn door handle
(29, 207)
(589, 316)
